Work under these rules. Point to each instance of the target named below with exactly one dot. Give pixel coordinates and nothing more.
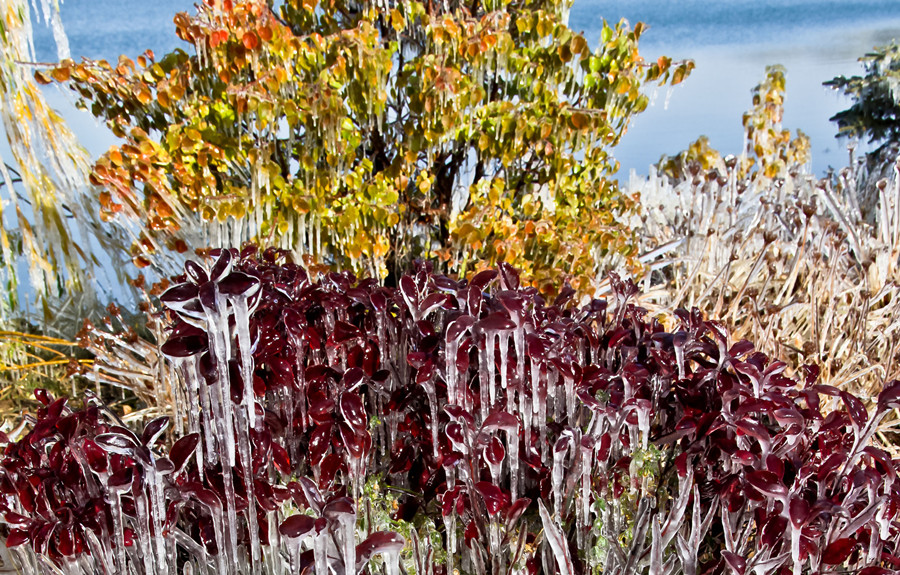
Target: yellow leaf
(397, 20)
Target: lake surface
(731, 42)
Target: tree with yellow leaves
(364, 135)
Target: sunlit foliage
(364, 135)
(770, 151)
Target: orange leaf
(250, 40)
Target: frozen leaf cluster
(337, 425)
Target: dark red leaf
(856, 408)
(195, 272)
(495, 322)
(494, 452)
(737, 563)
(495, 498)
(501, 420)
(185, 346)
(153, 430)
(767, 483)
(239, 283)
(223, 265)
(183, 449)
(297, 526)
(17, 537)
(281, 459)
(378, 542)
(838, 551)
(353, 411)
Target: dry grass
(806, 269)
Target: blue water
(731, 42)
(699, 23)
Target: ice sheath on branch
(339, 426)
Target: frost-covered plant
(451, 425)
(805, 268)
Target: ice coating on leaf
(589, 415)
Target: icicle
(587, 460)
(489, 337)
(348, 540)
(247, 467)
(512, 448)
(450, 529)
(242, 327)
(569, 384)
(556, 475)
(556, 393)
(450, 370)
(143, 532)
(320, 553)
(519, 343)
(231, 527)
(503, 338)
(118, 531)
(643, 413)
(669, 91)
(679, 340)
(391, 563)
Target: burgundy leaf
(353, 411)
(357, 444)
(184, 346)
(515, 511)
(889, 397)
(482, 279)
(239, 283)
(116, 443)
(767, 483)
(495, 322)
(338, 507)
(378, 543)
(494, 452)
(183, 449)
(459, 327)
(344, 332)
(281, 459)
(195, 272)
(737, 563)
(176, 296)
(494, 497)
(409, 292)
(433, 302)
(799, 510)
(838, 551)
(319, 442)
(121, 479)
(297, 526)
(856, 408)
(501, 420)
(153, 430)
(223, 265)
(17, 537)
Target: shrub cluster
(446, 425)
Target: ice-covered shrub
(443, 425)
(806, 268)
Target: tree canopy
(364, 135)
